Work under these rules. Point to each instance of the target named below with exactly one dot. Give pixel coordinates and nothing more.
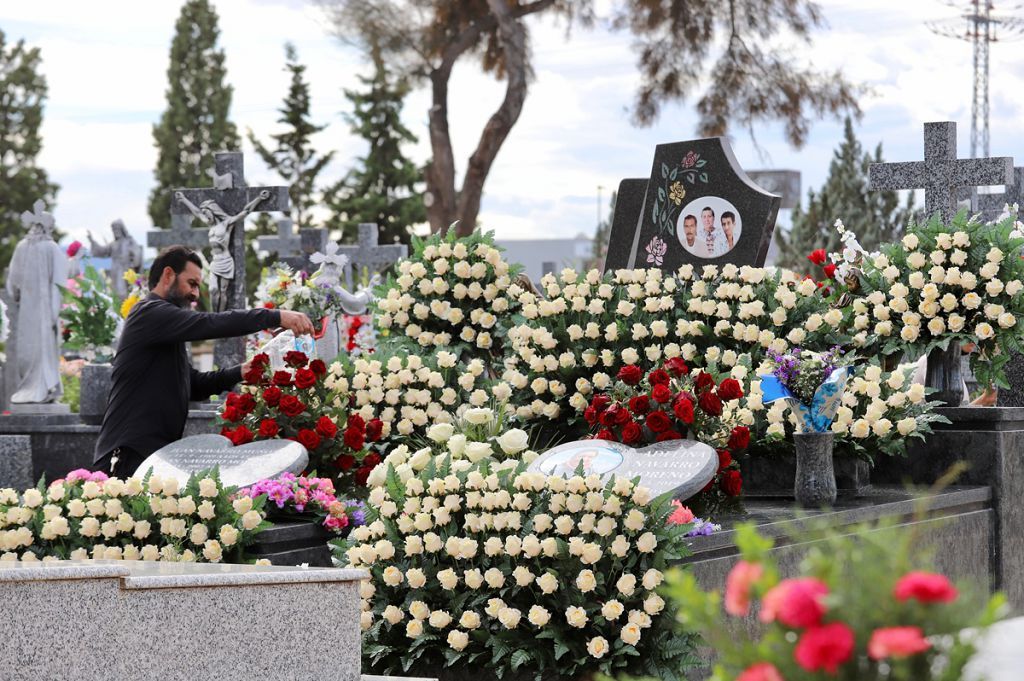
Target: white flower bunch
(478, 433)
(91, 516)
(451, 293)
(411, 392)
(564, 570)
(958, 283)
(589, 326)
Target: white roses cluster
(478, 434)
(962, 280)
(125, 520)
(449, 293)
(476, 549)
(591, 325)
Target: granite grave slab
(239, 465)
(16, 462)
(683, 467)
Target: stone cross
(229, 352)
(991, 205)
(181, 233)
(369, 254)
(294, 249)
(941, 174)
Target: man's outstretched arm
(172, 324)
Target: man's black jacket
(153, 379)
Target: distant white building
(540, 256)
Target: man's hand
(296, 322)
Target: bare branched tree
(675, 42)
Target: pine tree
(293, 157)
(875, 217)
(385, 187)
(21, 113)
(195, 124)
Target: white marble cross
(38, 216)
(941, 174)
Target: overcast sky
(106, 64)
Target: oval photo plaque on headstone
(239, 466)
(683, 467)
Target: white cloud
(106, 66)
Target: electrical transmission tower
(980, 26)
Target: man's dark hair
(174, 257)
(729, 214)
(690, 217)
(708, 209)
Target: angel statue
(222, 265)
(332, 265)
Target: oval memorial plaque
(683, 467)
(239, 466)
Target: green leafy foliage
(861, 577)
(89, 315)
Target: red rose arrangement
(854, 611)
(296, 404)
(669, 403)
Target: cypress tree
(21, 113)
(875, 217)
(294, 159)
(195, 124)
(385, 187)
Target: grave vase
(815, 483)
(945, 375)
(328, 344)
(96, 381)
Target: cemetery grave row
(483, 543)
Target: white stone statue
(36, 269)
(332, 265)
(222, 266)
(124, 252)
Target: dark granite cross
(941, 174)
(292, 248)
(180, 233)
(232, 200)
(369, 254)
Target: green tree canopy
(21, 113)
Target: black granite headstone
(698, 207)
(629, 201)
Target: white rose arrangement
(539, 577)
(451, 293)
(88, 515)
(950, 284)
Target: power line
(980, 26)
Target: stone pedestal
(989, 441)
(957, 523)
(96, 382)
(773, 476)
(294, 543)
(205, 621)
(16, 462)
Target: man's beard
(175, 297)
